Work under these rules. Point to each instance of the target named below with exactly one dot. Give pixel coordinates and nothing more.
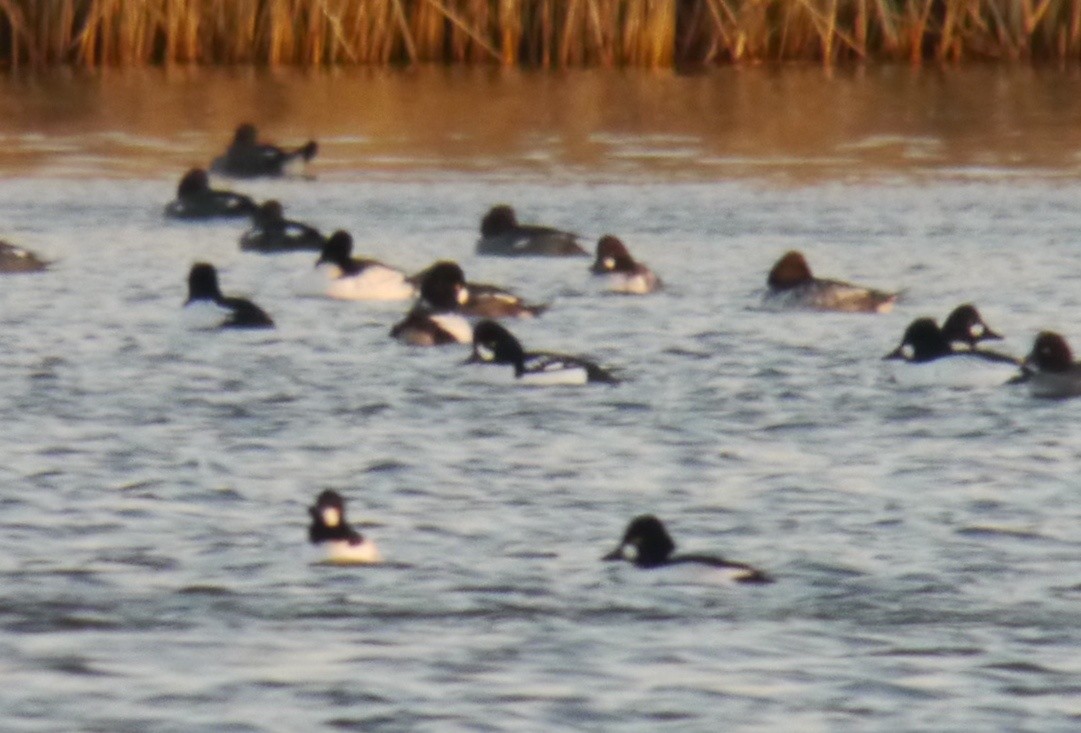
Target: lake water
(926, 541)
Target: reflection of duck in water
(501, 234)
(246, 157)
(791, 285)
(195, 199)
(17, 259)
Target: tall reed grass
(547, 33)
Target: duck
(926, 346)
(484, 300)
(1049, 369)
(502, 235)
(647, 545)
(18, 260)
(964, 328)
(353, 278)
(246, 157)
(206, 308)
(924, 341)
(620, 272)
(329, 529)
(436, 318)
(272, 233)
(195, 199)
(791, 285)
(494, 344)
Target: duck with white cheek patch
(1049, 369)
(621, 273)
(495, 345)
(484, 300)
(647, 545)
(930, 359)
(329, 530)
(436, 319)
(964, 328)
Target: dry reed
(651, 33)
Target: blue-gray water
(154, 573)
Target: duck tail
(307, 152)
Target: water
(925, 540)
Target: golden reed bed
(547, 33)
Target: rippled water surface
(154, 574)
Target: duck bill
(1021, 377)
(474, 358)
(990, 335)
(897, 353)
(616, 554)
(1027, 368)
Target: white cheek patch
(907, 351)
(331, 516)
(463, 296)
(629, 552)
(976, 330)
(609, 263)
(485, 353)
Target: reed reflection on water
(792, 123)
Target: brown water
(798, 124)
